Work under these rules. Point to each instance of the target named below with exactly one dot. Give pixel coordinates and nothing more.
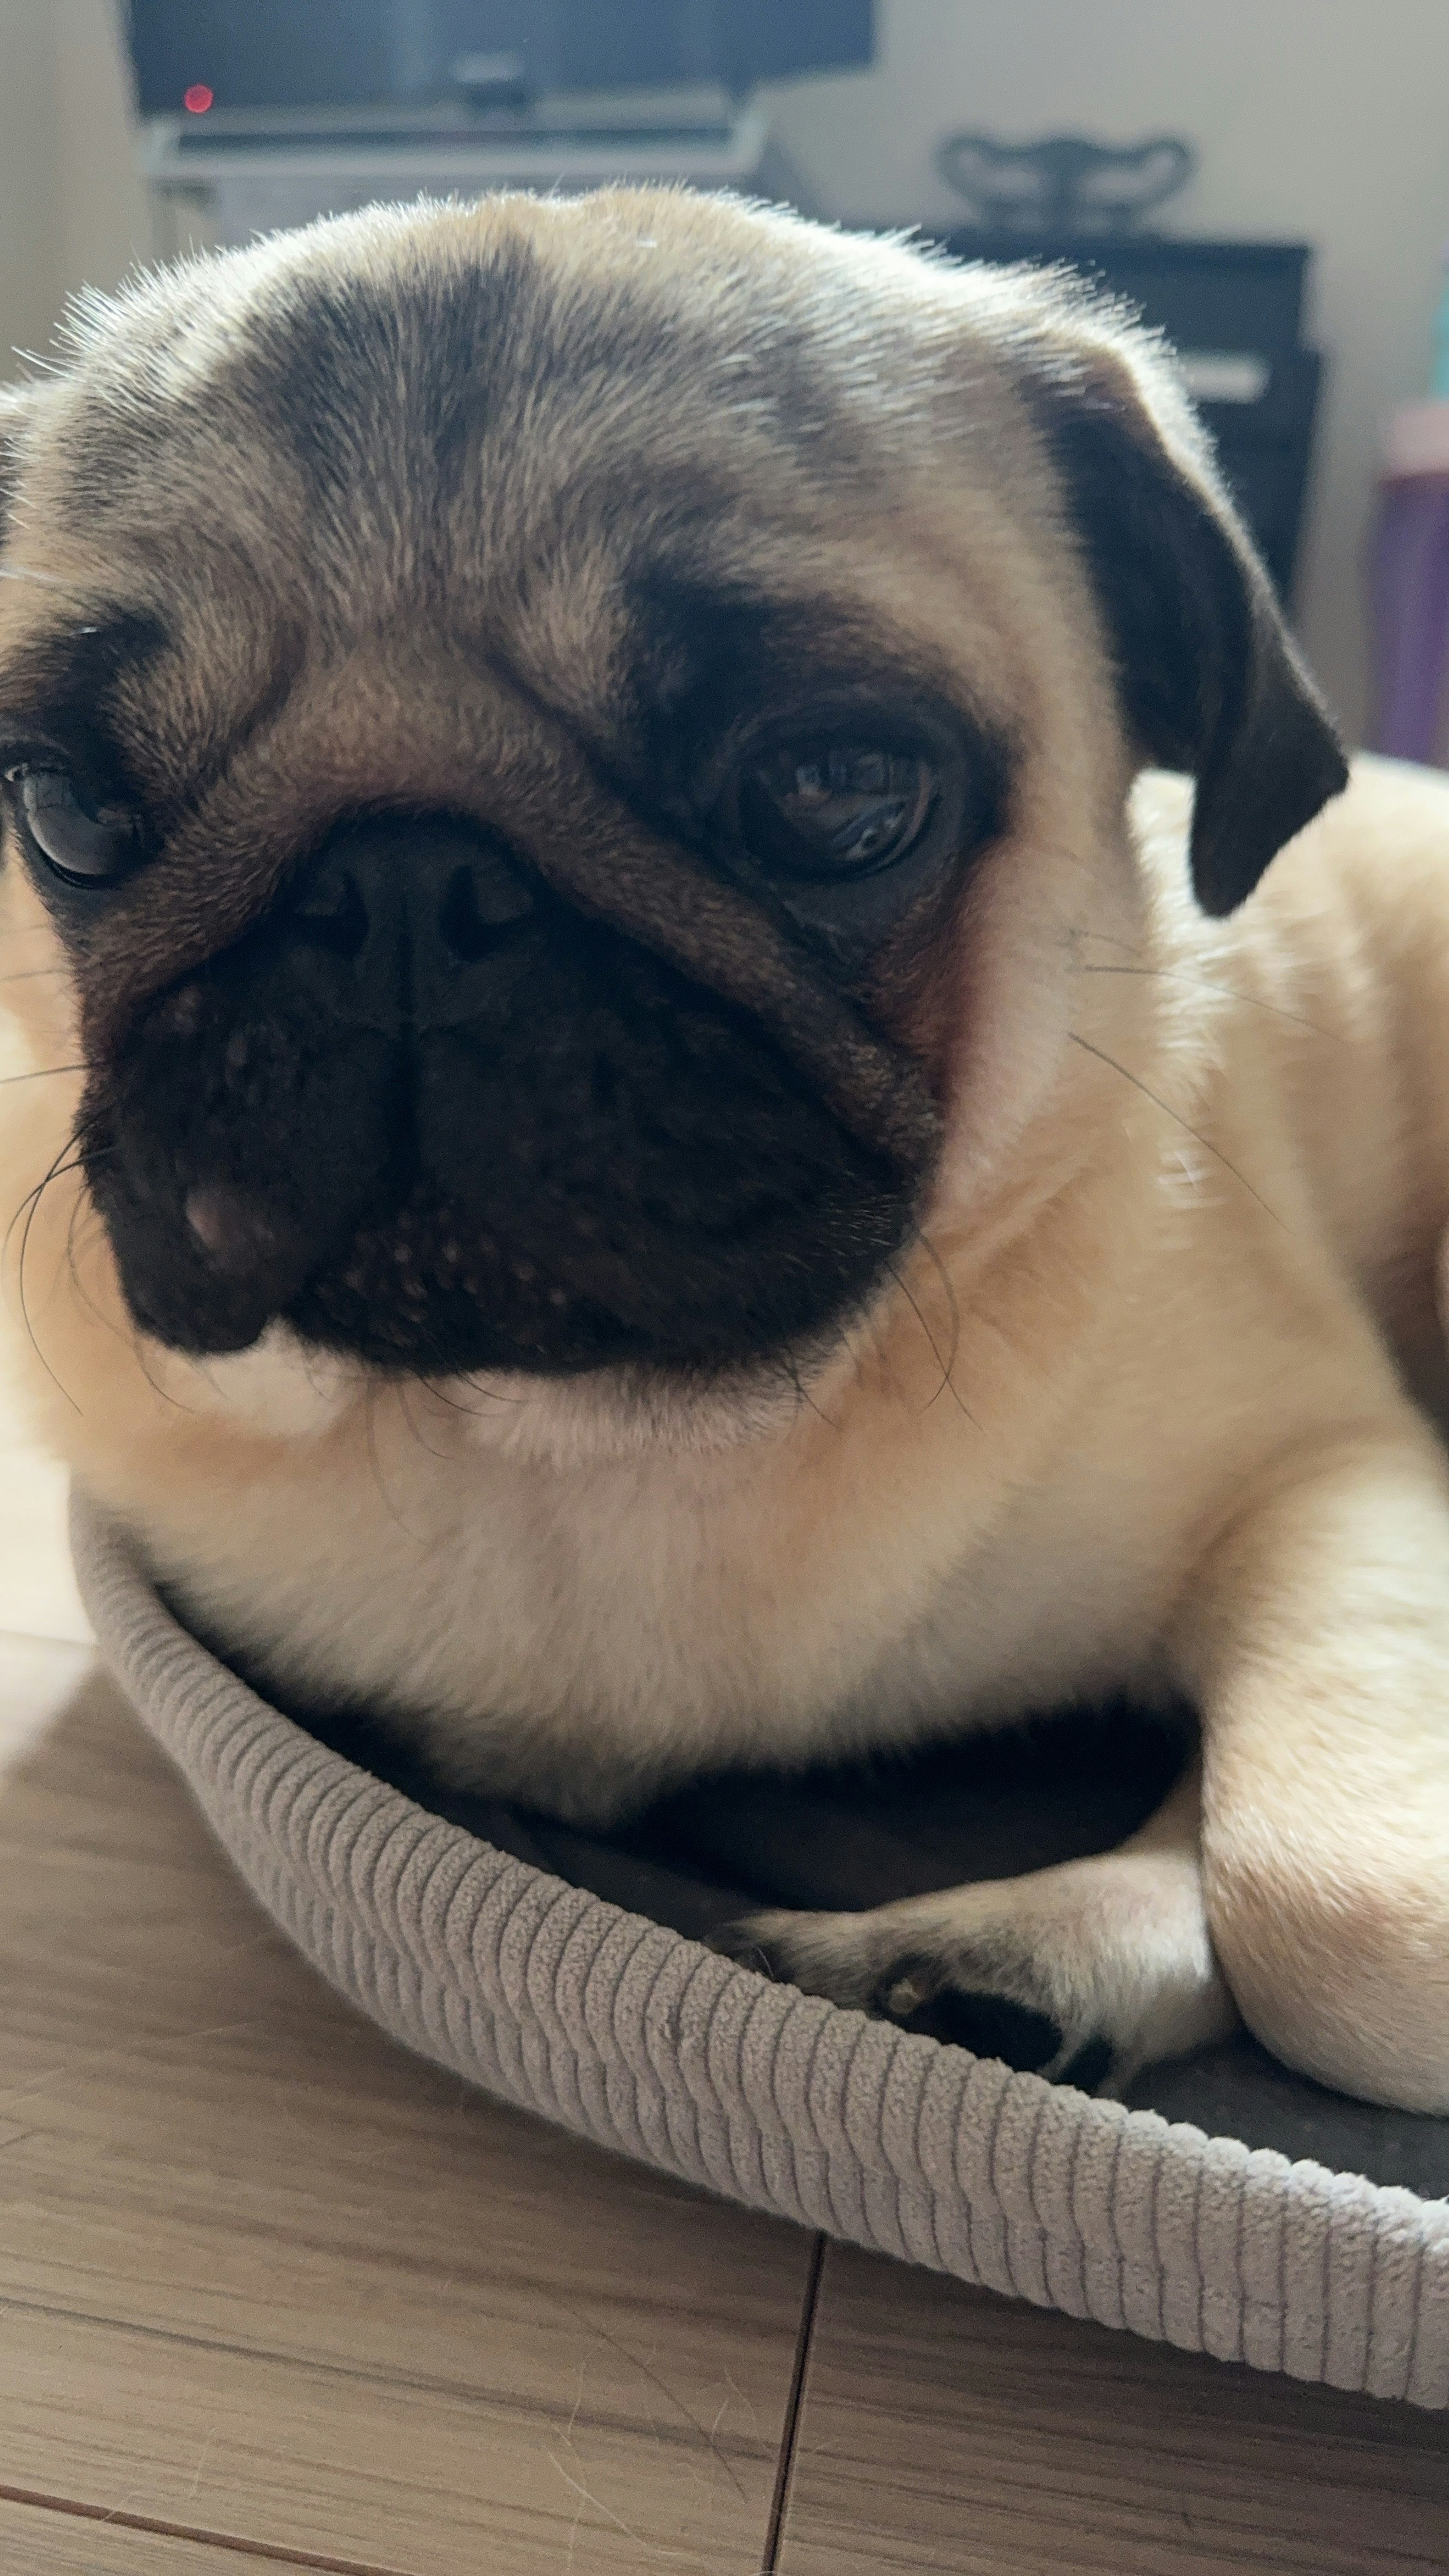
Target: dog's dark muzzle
(435, 1116)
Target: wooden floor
(275, 2295)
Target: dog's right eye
(832, 807)
(84, 844)
(835, 809)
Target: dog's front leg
(1315, 1642)
(1084, 1972)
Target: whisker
(845, 1337)
(931, 1345)
(371, 1427)
(132, 1337)
(791, 1370)
(406, 1411)
(164, 1392)
(57, 1172)
(80, 1210)
(1188, 1130)
(1229, 992)
(878, 1344)
(29, 1209)
(489, 1394)
(1175, 974)
(45, 1073)
(948, 1283)
(1106, 939)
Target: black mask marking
(438, 1118)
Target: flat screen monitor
(218, 55)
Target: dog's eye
(84, 843)
(834, 809)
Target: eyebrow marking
(59, 675)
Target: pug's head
(553, 751)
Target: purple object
(1411, 588)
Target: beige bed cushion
(633, 2036)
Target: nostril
(482, 901)
(332, 915)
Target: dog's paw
(1083, 1973)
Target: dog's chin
(285, 1388)
(616, 1414)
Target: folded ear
(1209, 678)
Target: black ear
(1210, 679)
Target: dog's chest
(580, 1641)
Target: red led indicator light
(198, 99)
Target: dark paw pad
(989, 2025)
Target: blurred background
(1323, 127)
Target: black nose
(412, 909)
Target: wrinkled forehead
(452, 414)
(568, 446)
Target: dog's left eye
(834, 808)
(85, 844)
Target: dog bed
(1230, 2208)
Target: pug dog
(659, 1119)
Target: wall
(104, 217)
(29, 266)
(1328, 122)
(72, 211)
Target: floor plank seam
(159, 2529)
(789, 2438)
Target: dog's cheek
(41, 1077)
(38, 1006)
(916, 990)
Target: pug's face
(556, 750)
